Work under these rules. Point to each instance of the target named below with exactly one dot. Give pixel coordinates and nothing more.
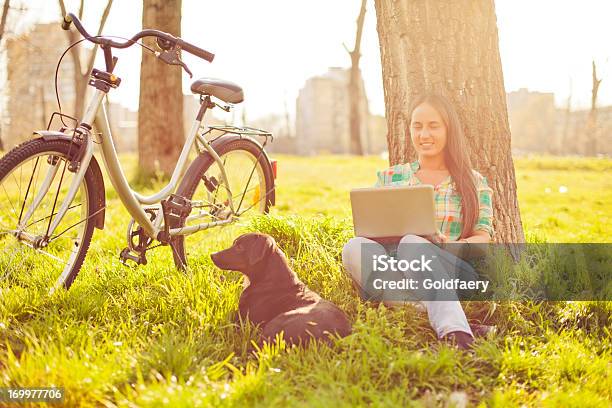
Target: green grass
(154, 336)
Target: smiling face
(427, 131)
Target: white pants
(444, 316)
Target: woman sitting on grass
(462, 201)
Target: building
(537, 126)
(532, 117)
(322, 115)
(28, 99)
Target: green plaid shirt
(447, 199)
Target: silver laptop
(389, 213)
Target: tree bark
(451, 47)
(160, 114)
(355, 84)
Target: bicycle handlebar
(190, 48)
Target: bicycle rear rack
(241, 131)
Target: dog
(275, 298)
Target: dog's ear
(261, 249)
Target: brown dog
(275, 298)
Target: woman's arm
(466, 248)
(478, 237)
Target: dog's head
(248, 252)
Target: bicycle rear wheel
(24, 173)
(251, 183)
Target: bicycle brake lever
(171, 57)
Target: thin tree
(591, 131)
(566, 144)
(5, 10)
(355, 85)
(451, 47)
(286, 116)
(82, 76)
(160, 114)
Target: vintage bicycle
(53, 193)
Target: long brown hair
(456, 159)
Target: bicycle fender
(216, 144)
(93, 170)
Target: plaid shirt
(447, 199)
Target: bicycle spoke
(9, 199)
(44, 218)
(233, 197)
(245, 187)
(74, 225)
(35, 182)
(19, 185)
(257, 202)
(57, 195)
(25, 199)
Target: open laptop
(386, 214)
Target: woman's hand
(438, 238)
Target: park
(155, 323)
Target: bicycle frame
(132, 200)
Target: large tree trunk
(451, 47)
(160, 114)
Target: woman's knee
(413, 239)
(353, 248)
(353, 252)
(412, 246)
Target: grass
(154, 336)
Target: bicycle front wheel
(34, 180)
(250, 183)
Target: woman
(462, 198)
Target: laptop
(386, 214)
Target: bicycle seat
(225, 90)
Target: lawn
(154, 336)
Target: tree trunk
(5, 9)
(591, 129)
(355, 84)
(451, 47)
(566, 144)
(160, 115)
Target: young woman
(462, 198)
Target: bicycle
(231, 175)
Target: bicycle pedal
(126, 255)
(176, 206)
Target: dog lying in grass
(276, 298)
